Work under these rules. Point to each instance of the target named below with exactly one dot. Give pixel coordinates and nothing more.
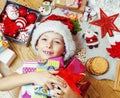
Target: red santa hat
(61, 25)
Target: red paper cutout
(106, 23)
(114, 50)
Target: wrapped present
(75, 71)
(32, 90)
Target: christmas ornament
(21, 22)
(31, 17)
(10, 27)
(106, 23)
(22, 11)
(114, 50)
(12, 11)
(23, 36)
(91, 38)
(45, 8)
(76, 27)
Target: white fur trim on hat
(56, 26)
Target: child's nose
(49, 45)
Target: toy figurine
(91, 38)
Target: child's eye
(44, 39)
(57, 42)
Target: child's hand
(69, 93)
(47, 79)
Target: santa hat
(58, 24)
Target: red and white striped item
(21, 21)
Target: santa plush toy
(91, 38)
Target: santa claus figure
(91, 38)
(12, 11)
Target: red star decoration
(106, 23)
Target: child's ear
(36, 47)
(64, 52)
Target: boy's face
(50, 44)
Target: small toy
(91, 38)
(89, 13)
(45, 8)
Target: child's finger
(58, 91)
(49, 85)
(58, 81)
(62, 81)
(53, 71)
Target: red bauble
(31, 18)
(22, 11)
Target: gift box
(34, 91)
(19, 22)
(74, 5)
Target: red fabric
(71, 78)
(63, 19)
(114, 50)
(10, 27)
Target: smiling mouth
(48, 52)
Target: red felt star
(106, 23)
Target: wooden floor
(98, 89)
